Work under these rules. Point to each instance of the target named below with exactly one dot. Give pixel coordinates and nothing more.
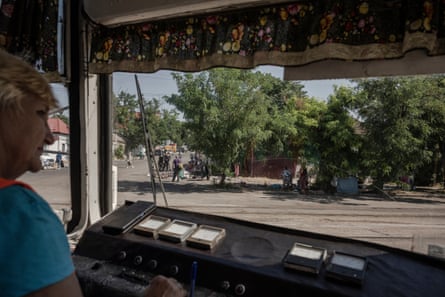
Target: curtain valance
(292, 34)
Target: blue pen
(193, 278)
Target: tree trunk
(223, 179)
(436, 163)
(379, 183)
(251, 161)
(443, 171)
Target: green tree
(119, 152)
(291, 118)
(224, 111)
(170, 128)
(305, 114)
(285, 98)
(126, 121)
(433, 99)
(392, 114)
(384, 128)
(338, 139)
(162, 125)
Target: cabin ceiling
(118, 12)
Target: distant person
(34, 252)
(205, 172)
(176, 168)
(303, 180)
(236, 170)
(130, 161)
(161, 163)
(287, 178)
(181, 170)
(59, 160)
(167, 161)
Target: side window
(53, 181)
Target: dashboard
(228, 257)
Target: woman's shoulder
(19, 199)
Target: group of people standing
(196, 166)
(164, 161)
(302, 183)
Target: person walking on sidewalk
(59, 160)
(176, 168)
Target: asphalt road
(408, 220)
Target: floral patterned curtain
(28, 28)
(293, 34)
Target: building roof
(58, 126)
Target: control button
(96, 266)
(240, 289)
(174, 270)
(225, 285)
(122, 255)
(137, 260)
(152, 264)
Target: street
(408, 220)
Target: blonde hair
(19, 79)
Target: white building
(61, 144)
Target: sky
(161, 83)
(61, 93)
(158, 84)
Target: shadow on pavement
(421, 196)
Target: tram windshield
(340, 134)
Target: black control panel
(248, 260)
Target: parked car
(47, 161)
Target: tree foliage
(393, 116)
(286, 102)
(224, 112)
(337, 139)
(163, 125)
(232, 115)
(126, 122)
(433, 99)
(384, 128)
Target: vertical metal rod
(149, 148)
